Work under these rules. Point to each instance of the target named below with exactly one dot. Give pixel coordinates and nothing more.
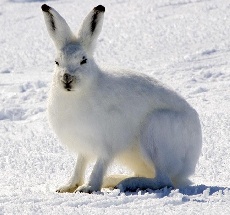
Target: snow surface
(183, 43)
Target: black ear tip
(45, 7)
(100, 8)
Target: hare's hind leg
(172, 140)
(147, 173)
(167, 140)
(77, 176)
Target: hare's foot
(140, 183)
(86, 189)
(96, 177)
(70, 188)
(77, 177)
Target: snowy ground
(183, 43)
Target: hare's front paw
(67, 189)
(86, 189)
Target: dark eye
(57, 63)
(84, 60)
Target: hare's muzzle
(67, 79)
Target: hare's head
(75, 66)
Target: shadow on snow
(187, 191)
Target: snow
(183, 43)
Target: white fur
(119, 115)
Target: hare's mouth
(67, 86)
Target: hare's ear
(90, 29)
(57, 27)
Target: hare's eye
(84, 60)
(56, 63)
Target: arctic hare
(116, 115)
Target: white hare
(117, 115)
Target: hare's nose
(67, 78)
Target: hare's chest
(71, 117)
(91, 127)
